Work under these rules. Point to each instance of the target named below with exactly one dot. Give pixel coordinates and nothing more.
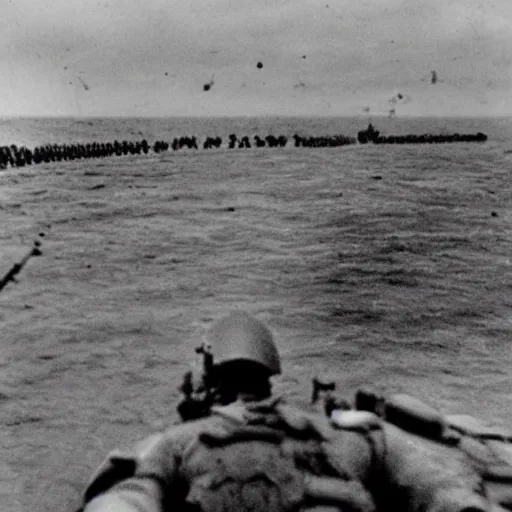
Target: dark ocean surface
(379, 266)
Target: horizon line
(260, 116)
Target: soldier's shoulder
(117, 466)
(121, 464)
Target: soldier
(252, 451)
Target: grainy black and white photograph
(256, 256)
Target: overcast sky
(330, 57)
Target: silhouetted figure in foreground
(242, 448)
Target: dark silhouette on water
(14, 156)
(368, 135)
(17, 267)
(232, 141)
(260, 143)
(372, 135)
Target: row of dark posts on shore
(15, 156)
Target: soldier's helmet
(241, 337)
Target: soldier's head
(244, 357)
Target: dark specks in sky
(84, 85)
(455, 49)
(399, 98)
(208, 85)
(392, 108)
